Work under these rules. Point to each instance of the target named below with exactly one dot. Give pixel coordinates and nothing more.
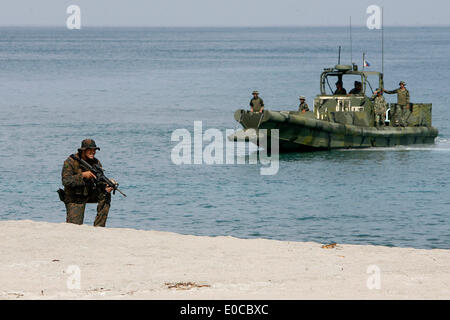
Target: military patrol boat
(338, 121)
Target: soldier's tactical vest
(256, 104)
(81, 193)
(402, 97)
(380, 105)
(303, 106)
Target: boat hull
(302, 132)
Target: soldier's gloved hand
(88, 175)
(109, 189)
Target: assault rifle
(99, 174)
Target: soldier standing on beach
(256, 103)
(80, 186)
(303, 107)
(380, 107)
(402, 104)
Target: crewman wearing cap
(339, 89)
(80, 186)
(303, 106)
(256, 103)
(357, 89)
(402, 104)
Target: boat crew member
(303, 107)
(80, 187)
(380, 107)
(339, 89)
(357, 89)
(256, 103)
(401, 108)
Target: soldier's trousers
(400, 112)
(379, 119)
(75, 211)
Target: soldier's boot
(380, 120)
(377, 120)
(103, 206)
(394, 120)
(398, 116)
(75, 212)
(405, 117)
(401, 120)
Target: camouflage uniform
(79, 191)
(256, 104)
(357, 89)
(303, 106)
(341, 91)
(400, 109)
(380, 107)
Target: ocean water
(130, 88)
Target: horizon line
(216, 26)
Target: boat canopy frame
(339, 73)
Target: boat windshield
(367, 82)
(349, 82)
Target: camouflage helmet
(302, 98)
(255, 92)
(402, 83)
(88, 144)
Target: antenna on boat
(339, 55)
(351, 48)
(364, 60)
(382, 41)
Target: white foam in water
(441, 144)
(245, 151)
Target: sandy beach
(40, 260)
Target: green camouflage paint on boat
(338, 121)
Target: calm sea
(130, 88)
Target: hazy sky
(222, 12)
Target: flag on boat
(366, 63)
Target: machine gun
(99, 174)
